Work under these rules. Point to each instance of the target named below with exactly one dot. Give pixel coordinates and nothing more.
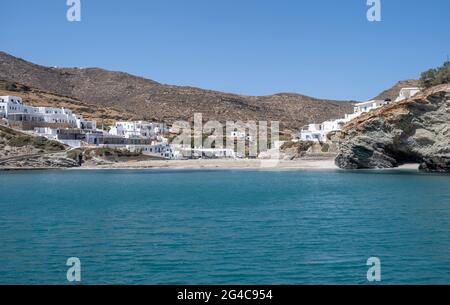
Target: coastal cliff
(413, 131)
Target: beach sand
(220, 164)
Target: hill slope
(150, 100)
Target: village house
(72, 137)
(319, 132)
(311, 132)
(406, 93)
(137, 129)
(213, 153)
(162, 150)
(103, 139)
(369, 106)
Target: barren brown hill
(147, 99)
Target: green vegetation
(300, 146)
(115, 152)
(8, 86)
(435, 77)
(17, 139)
(325, 147)
(36, 142)
(104, 152)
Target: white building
(319, 132)
(54, 134)
(85, 124)
(158, 150)
(213, 153)
(137, 129)
(368, 106)
(10, 105)
(13, 108)
(312, 132)
(407, 93)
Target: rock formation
(413, 131)
(23, 151)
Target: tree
(435, 77)
(427, 78)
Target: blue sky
(322, 48)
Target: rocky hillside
(150, 100)
(19, 150)
(414, 131)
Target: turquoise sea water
(224, 227)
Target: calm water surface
(222, 227)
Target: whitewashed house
(312, 132)
(368, 106)
(213, 153)
(136, 129)
(407, 93)
(58, 135)
(319, 132)
(158, 150)
(85, 124)
(10, 105)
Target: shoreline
(215, 164)
(220, 164)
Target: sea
(224, 227)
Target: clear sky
(322, 48)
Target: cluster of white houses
(64, 126)
(319, 132)
(13, 109)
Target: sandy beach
(220, 164)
